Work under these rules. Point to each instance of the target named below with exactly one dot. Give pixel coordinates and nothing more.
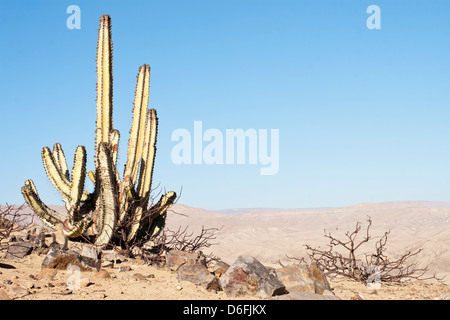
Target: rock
(4, 295)
(113, 256)
(199, 275)
(298, 295)
(62, 259)
(177, 258)
(18, 250)
(220, 268)
(296, 278)
(124, 269)
(320, 280)
(357, 296)
(100, 295)
(137, 277)
(102, 274)
(248, 276)
(21, 291)
(303, 278)
(91, 257)
(47, 274)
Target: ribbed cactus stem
(60, 160)
(77, 186)
(136, 140)
(106, 206)
(58, 180)
(47, 215)
(148, 158)
(104, 82)
(146, 172)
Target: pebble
(21, 291)
(4, 295)
(124, 268)
(103, 274)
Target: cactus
(116, 205)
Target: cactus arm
(75, 230)
(107, 207)
(138, 125)
(104, 82)
(140, 111)
(148, 159)
(60, 160)
(48, 216)
(135, 142)
(78, 178)
(159, 221)
(145, 178)
(155, 221)
(56, 177)
(53, 173)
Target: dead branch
(340, 259)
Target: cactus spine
(116, 204)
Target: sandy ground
(22, 279)
(268, 235)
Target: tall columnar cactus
(116, 205)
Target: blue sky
(363, 115)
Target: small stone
(100, 295)
(137, 277)
(102, 274)
(358, 297)
(124, 269)
(67, 292)
(4, 295)
(21, 291)
(7, 282)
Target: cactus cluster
(117, 209)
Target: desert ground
(270, 235)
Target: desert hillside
(271, 234)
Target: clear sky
(363, 115)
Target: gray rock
(18, 250)
(199, 275)
(247, 276)
(176, 258)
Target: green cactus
(116, 205)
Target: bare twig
(335, 263)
